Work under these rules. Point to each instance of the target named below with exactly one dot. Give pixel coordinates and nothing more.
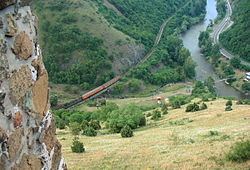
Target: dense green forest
(62, 38)
(178, 65)
(236, 38)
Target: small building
(248, 74)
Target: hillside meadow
(179, 140)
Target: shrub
(95, 124)
(77, 146)
(164, 108)
(128, 115)
(84, 124)
(213, 133)
(229, 103)
(239, 152)
(192, 107)
(203, 106)
(156, 115)
(126, 132)
(53, 100)
(61, 124)
(134, 85)
(149, 114)
(228, 108)
(89, 131)
(75, 128)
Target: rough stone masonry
(27, 127)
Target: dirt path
(109, 5)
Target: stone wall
(27, 127)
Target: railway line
(101, 89)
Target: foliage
(89, 131)
(244, 101)
(229, 103)
(239, 152)
(177, 101)
(245, 86)
(75, 128)
(192, 107)
(203, 106)
(235, 62)
(77, 146)
(156, 115)
(128, 115)
(237, 39)
(53, 100)
(164, 108)
(84, 124)
(180, 122)
(228, 108)
(126, 132)
(95, 124)
(134, 85)
(62, 39)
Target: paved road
(221, 27)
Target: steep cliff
(27, 126)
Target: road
(222, 27)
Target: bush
(84, 124)
(203, 106)
(89, 131)
(134, 85)
(156, 115)
(229, 103)
(126, 132)
(164, 108)
(61, 124)
(228, 108)
(53, 100)
(128, 115)
(149, 114)
(75, 128)
(192, 107)
(77, 146)
(239, 152)
(95, 124)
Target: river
(204, 69)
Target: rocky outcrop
(6, 3)
(27, 126)
(22, 46)
(12, 26)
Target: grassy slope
(89, 20)
(160, 145)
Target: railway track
(99, 90)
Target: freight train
(90, 94)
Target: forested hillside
(78, 51)
(237, 38)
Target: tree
(53, 100)
(134, 85)
(229, 103)
(235, 62)
(75, 128)
(189, 67)
(156, 115)
(77, 146)
(126, 132)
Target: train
(89, 95)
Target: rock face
(5, 3)
(22, 46)
(27, 126)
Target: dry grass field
(162, 145)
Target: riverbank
(224, 68)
